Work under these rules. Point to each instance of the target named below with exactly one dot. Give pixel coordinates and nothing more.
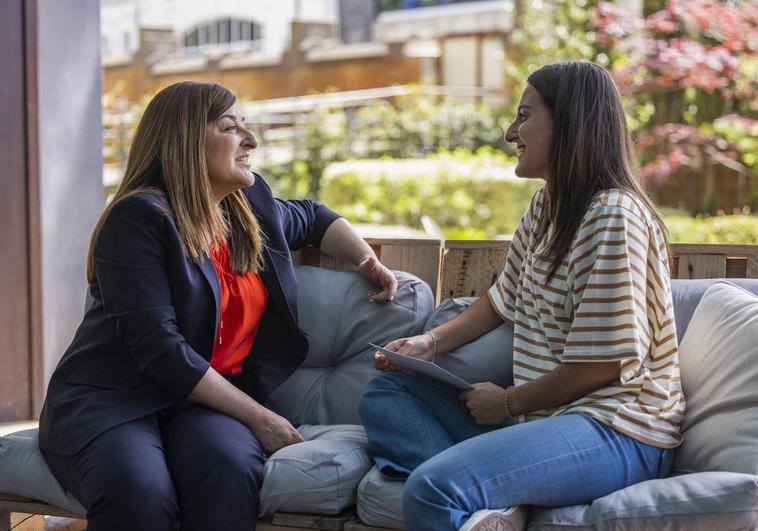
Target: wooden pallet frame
(456, 268)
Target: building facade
(281, 48)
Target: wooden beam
(323, 522)
(15, 312)
(715, 248)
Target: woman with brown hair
(597, 398)
(155, 412)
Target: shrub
(469, 195)
(720, 229)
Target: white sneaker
(511, 519)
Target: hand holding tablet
(423, 367)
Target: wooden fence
(460, 268)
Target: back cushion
(719, 366)
(488, 358)
(687, 294)
(340, 322)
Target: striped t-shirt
(610, 300)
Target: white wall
(70, 161)
(180, 15)
(119, 25)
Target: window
(190, 38)
(224, 30)
(221, 32)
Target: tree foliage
(411, 126)
(689, 71)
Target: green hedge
(470, 195)
(474, 196)
(720, 229)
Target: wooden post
(5, 520)
(470, 267)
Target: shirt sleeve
(608, 272)
(502, 294)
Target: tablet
(423, 367)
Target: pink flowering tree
(689, 69)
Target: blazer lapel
(211, 275)
(264, 211)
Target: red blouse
(243, 301)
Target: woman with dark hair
(155, 412)
(597, 400)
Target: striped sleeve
(502, 294)
(610, 313)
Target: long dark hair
(167, 157)
(591, 151)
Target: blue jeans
(417, 426)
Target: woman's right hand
(421, 346)
(275, 432)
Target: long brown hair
(167, 157)
(592, 149)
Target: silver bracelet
(507, 401)
(434, 343)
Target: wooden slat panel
(674, 267)
(422, 258)
(751, 267)
(423, 261)
(312, 521)
(736, 267)
(18, 504)
(471, 267)
(701, 266)
(266, 525)
(356, 525)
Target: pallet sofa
(322, 395)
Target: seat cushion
(24, 472)
(719, 366)
(488, 358)
(691, 502)
(340, 322)
(320, 475)
(380, 501)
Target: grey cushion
(692, 502)
(486, 359)
(719, 365)
(24, 472)
(682, 502)
(380, 501)
(340, 322)
(687, 294)
(320, 475)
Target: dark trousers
(188, 463)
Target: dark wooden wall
(19, 220)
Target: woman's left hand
(377, 273)
(486, 403)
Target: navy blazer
(147, 339)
